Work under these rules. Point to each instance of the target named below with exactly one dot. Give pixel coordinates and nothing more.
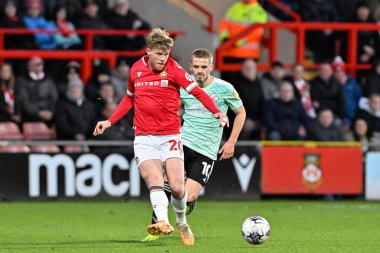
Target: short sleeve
(232, 98)
(183, 79)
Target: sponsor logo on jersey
(139, 73)
(164, 73)
(142, 84)
(214, 97)
(164, 83)
(312, 173)
(188, 77)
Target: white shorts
(157, 147)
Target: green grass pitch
(297, 226)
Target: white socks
(160, 203)
(179, 206)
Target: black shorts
(197, 166)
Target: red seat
(44, 149)
(10, 131)
(74, 149)
(15, 149)
(36, 131)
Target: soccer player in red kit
(153, 89)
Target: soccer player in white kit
(154, 91)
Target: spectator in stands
(370, 113)
(351, 92)
(284, 117)
(372, 83)
(66, 38)
(34, 20)
(368, 42)
(72, 71)
(37, 94)
(247, 84)
(122, 17)
(323, 128)
(8, 94)
(122, 130)
(321, 42)
(101, 75)
(119, 78)
(239, 16)
(106, 95)
(326, 91)
(75, 116)
(271, 80)
(91, 20)
(10, 19)
(360, 133)
(301, 89)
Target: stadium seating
(45, 149)
(15, 149)
(10, 131)
(74, 149)
(36, 131)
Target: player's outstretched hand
(223, 119)
(101, 126)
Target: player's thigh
(148, 158)
(151, 172)
(198, 167)
(146, 147)
(192, 188)
(175, 174)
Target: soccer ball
(255, 230)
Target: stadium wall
(253, 172)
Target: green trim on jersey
(200, 130)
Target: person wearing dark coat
(372, 83)
(327, 92)
(8, 94)
(249, 88)
(37, 94)
(284, 117)
(301, 88)
(10, 19)
(323, 128)
(121, 17)
(321, 42)
(75, 116)
(370, 113)
(91, 20)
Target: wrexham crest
(311, 172)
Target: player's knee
(178, 191)
(154, 180)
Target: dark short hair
(202, 53)
(277, 64)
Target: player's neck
(206, 83)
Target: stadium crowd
(281, 104)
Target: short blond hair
(159, 38)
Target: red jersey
(156, 97)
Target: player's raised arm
(186, 82)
